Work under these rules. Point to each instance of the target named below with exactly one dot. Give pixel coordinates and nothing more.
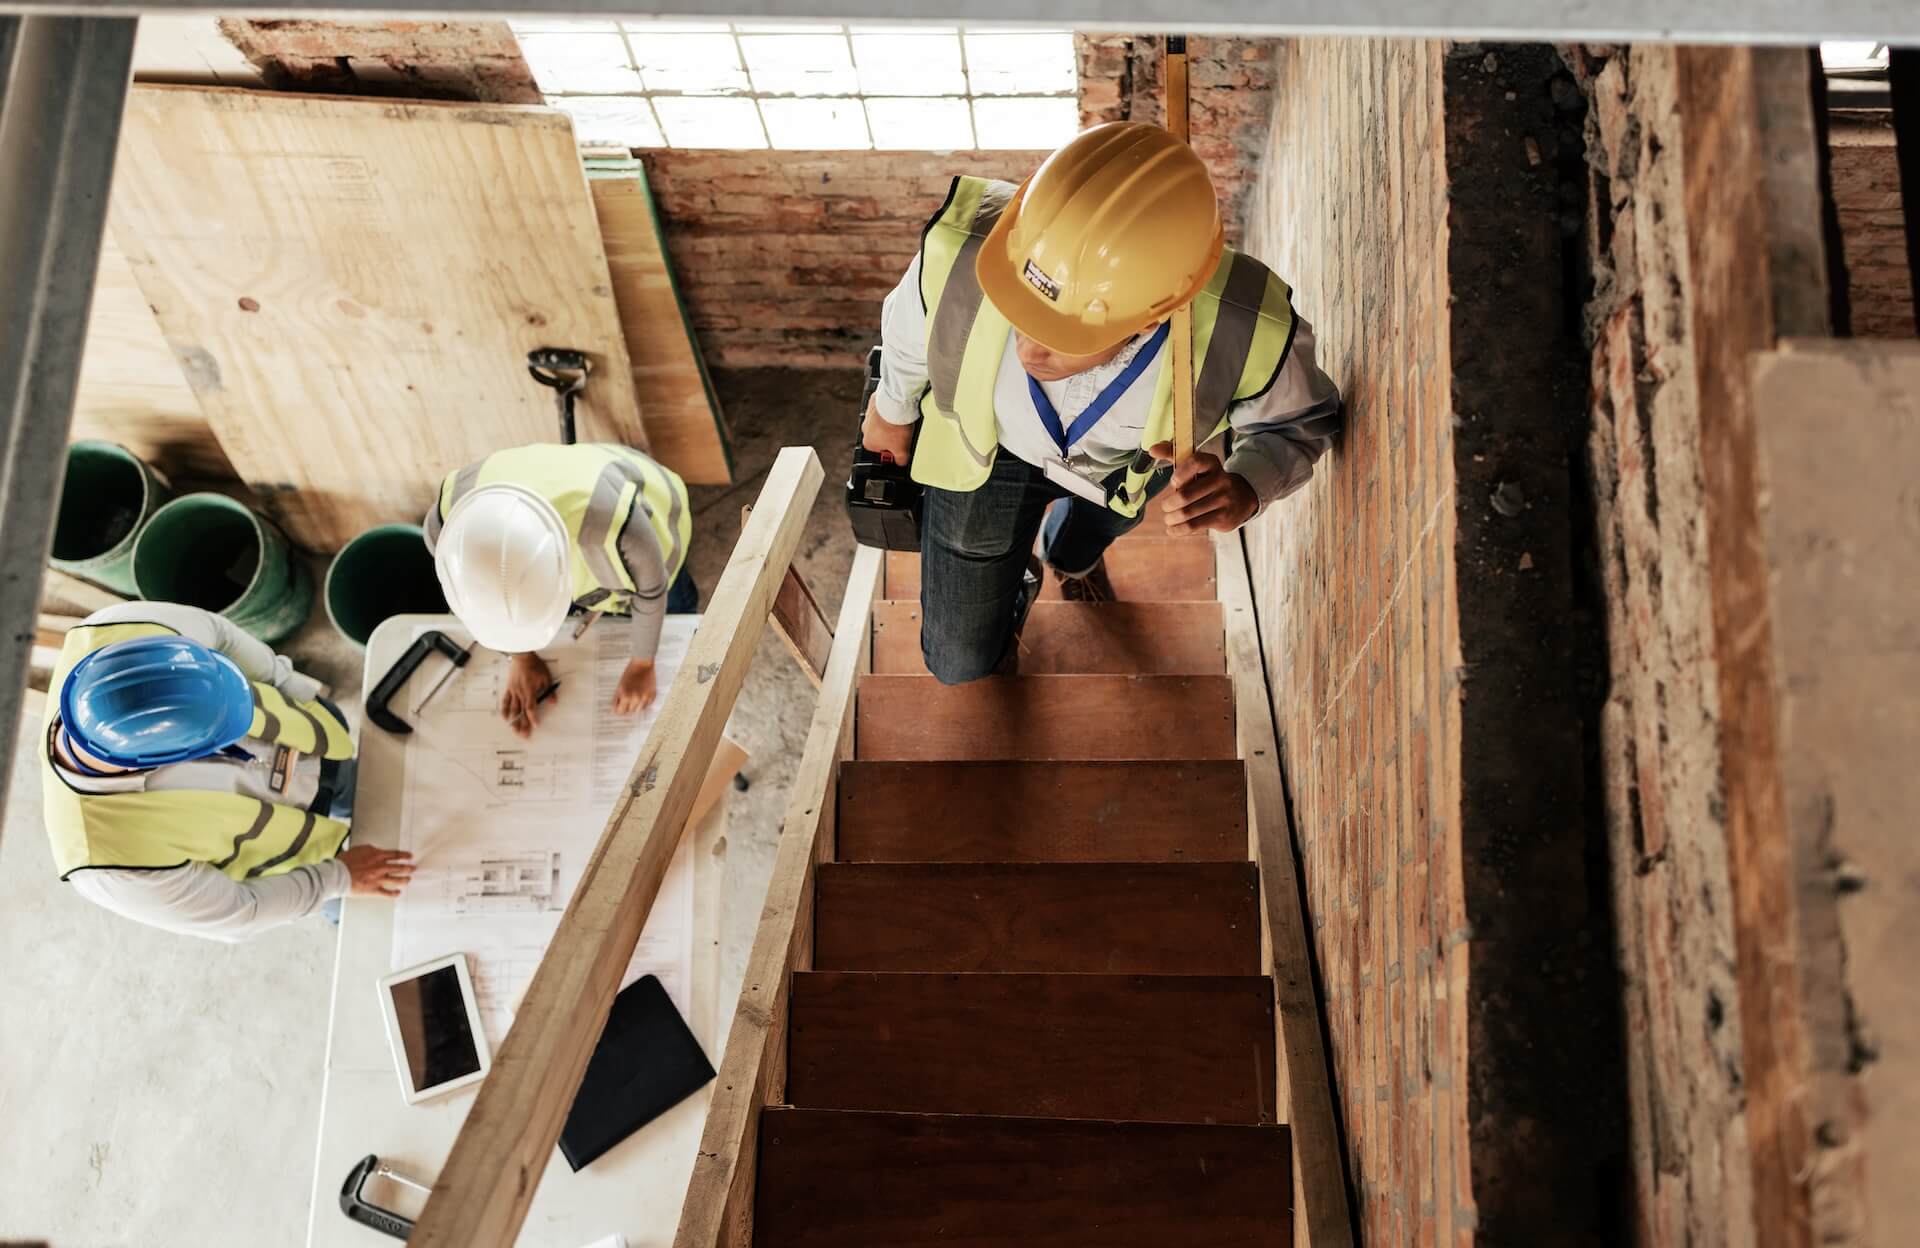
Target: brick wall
(1866, 189)
(1419, 610)
(1661, 725)
(1355, 589)
(784, 257)
(416, 60)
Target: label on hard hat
(1041, 282)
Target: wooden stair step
(1045, 717)
(830, 1179)
(1148, 638)
(1151, 1048)
(1144, 569)
(1042, 812)
(1117, 918)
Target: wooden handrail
(718, 1210)
(482, 1193)
(1322, 1215)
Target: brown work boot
(1090, 586)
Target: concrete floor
(159, 1090)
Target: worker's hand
(882, 436)
(637, 687)
(527, 679)
(377, 872)
(1204, 495)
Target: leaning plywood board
(677, 402)
(132, 390)
(352, 287)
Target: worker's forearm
(648, 618)
(196, 900)
(1278, 460)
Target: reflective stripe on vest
(1242, 331)
(596, 488)
(241, 836)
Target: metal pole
(63, 84)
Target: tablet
(433, 1024)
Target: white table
(636, 1188)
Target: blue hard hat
(155, 700)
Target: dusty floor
(158, 1090)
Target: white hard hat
(503, 558)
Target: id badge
(282, 769)
(1061, 473)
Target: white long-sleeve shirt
(1277, 435)
(196, 899)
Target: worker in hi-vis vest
(528, 535)
(195, 782)
(1028, 340)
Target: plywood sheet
(677, 401)
(352, 287)
(132, 390)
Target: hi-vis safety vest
(596, 488)
(242, 836)
(1242, 331)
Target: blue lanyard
(1065, 438)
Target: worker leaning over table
(1028, 340)
(195, 782)
(527, 535)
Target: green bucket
(208, 551)
(109, 495)
(383, 572)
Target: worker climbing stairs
(1036, 1009)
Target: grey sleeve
(1280, 435)
(254, 657)
(196, 900)
(647, 569)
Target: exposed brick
(421, 60)
(1866, 190)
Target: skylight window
(676, 84)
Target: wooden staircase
(1015, 987)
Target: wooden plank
(352, 287)
(1145, 569)
(1046, 717)
(1144, 1048)
(131, 388)
(1306, 1080)
(1148, 638)
(1094, 918)
(1043, 812)
(1755, 238)
(802, 626)
(78, 597)
(831, 1180)
(718, 1210)
(481, 1195)
(685, 427)
(1837, 431)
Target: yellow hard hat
(1110, 234)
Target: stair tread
(835, 1178)
(1142, 569)
(1157, 1048)
(1042, 812)
(1157, 638)
(1119, 918)
(1105, 716)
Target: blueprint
(501, 827)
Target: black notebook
(647, 1062)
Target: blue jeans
(973, 554)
